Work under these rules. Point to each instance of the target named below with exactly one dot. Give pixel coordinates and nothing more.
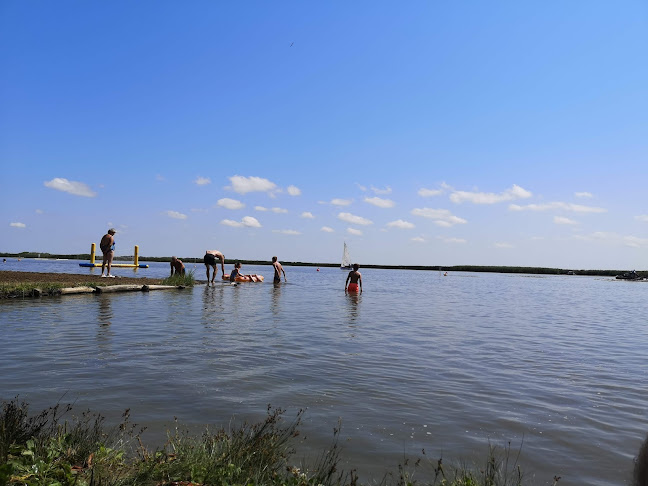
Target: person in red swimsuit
(356, 280)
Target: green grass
(186, 280)
(58, 448)
(28, 289)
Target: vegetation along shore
(59, 447)
(34, 284)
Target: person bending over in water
(107, 246)
(177, 266)
(356, 278)
(210, 261)
(278, 270)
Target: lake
(418, 361)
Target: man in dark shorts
(107, 246)
(177, 266)
(278, 270)
(210, 258)
(355, 277)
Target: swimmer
(356, 279)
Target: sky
(419, 132)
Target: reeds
(180, 280)
(57, 448)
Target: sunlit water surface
(418, 361)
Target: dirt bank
(70, 279)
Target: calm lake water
(418, 361)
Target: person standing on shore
(355, 277)
(278, 270)
(107, 246)
(210, 261)
(177, 265)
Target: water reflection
(105, 316)
(212, 305)
(276, 296)
(353, 300)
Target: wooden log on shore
(118, 288)
(163, 287)
(77, 290)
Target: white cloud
(399, 223)
(243, 185)
(307, 214)
(583, 194)
(503, 245)
(327, 229)
(341, 202)
(515, 192)
(563, 220)
(642, 217)
(202, 181)
(451, 241)
(228, 203)
(287, 232)
(229, 222)
(418, 239)
(386, 190)
(274, 210)
(18, 225)
(361, 187)
(635, 242)
(353, 231)
(39, 211)
(381, 203)
(175, 215)
(251, 222)
(248, 221)
(293, 190)
(350, 218)
(441, 217)
(429, 192)
(71, 187)
(577, 208)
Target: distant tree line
(438, 268)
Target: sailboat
(346, 259)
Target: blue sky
(422, 132)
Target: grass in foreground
(50, 449)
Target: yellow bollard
(92, 253)
(136, 262)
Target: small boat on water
(346, 259)
(629, 276)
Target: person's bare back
(356, 280)
(278, 270)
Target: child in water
(236, 272)
(356, 278)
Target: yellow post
(136, 262)
(92, 253)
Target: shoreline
(531, 270)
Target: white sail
(346, 259)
